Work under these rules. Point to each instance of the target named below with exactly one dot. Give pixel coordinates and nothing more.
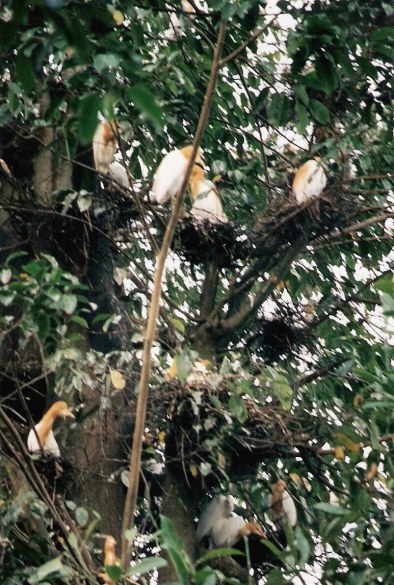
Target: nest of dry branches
(232, 437)
(273, 337)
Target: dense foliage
(273, 355)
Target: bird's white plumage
(169, 176)
(175, 29)
(118, 173)
(50, 445)
(309, 181)
(226, 532)
(207, 205)
(289, 508)
(217, 510)
(104, 146)
(285, 511)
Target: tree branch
(253, 37)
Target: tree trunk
(179, 505)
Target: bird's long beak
(263, 535)
(260, 533)
(68, 413)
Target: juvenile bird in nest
(207, 206)
(170, 173)
(282, 505)
(309, 182)
(47, 441)
(105, 144)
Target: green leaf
(88, 116)
(278, 109)
(385, 283)
(146, 566)
(238, 407)
(327, 76)
(383, 34)
(145, 102)
(178, 325)
(174, 546)
(44, 325)
(103, 61)
(51, 567)
(81, 516)
(24, 73)
(343, 59)
(319, 112)
(184, 366)
(331, 509)
(303, 546)
(219, 552)
(68, 303)
(301, 93)
(302, 116)
(80, 321)
(283, 391)
(113, 571)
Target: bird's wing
(119, 174)
(226, 533)
(289, 508)
(32, 443)
(309, 181)
(207, 204)
(51, 445)
(169, 176)
(214, 514)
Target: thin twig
(259, 31)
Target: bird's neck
(108, 134)
(45, 426)
(110, 557)
(196, 176)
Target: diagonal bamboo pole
(135, 457)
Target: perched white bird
(105, 144)
(170, 173)
(224, 528)
(207, 205)
(219, 508)
(118, 173)
(232, 530)
(282, 504)
(44, 430)
(309, 181)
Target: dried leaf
(118, 17)
(348, 442)
(117, 379)
(372, 471)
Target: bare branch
(253, 37)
